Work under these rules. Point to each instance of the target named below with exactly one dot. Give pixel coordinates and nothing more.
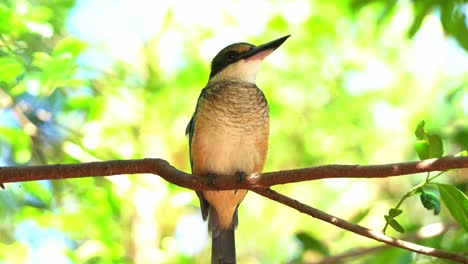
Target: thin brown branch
(172, 175)
(436, 230)
(100, 168)
(357, 171)
(357, 229)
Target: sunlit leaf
(10, 69)
(40, 14)
(41, 60)
(15, 136)
(17, 89)
(69, 45)
(40, 190)
(5, 19)
(456, 202)
(422, 149)
(428, 145)
(77, 102)
(19, 141)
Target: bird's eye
(231, 55)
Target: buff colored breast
(230, 135)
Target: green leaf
(69, 45)
(422, 148)
(40, 14)
(10, 69)
(419, 132)
(5, 19)
(394, 224)
(15, 136)
(421, 9)
(393, 212)
(436, 146)
(456, 202)
(41, 60)
(310, 243)
(453, 20)
(430, 201)
(428, 145)
(19, 141)
(40, 191)
(79, 102)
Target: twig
(357, 229)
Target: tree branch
(357, 229)
(256, 180)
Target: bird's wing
(204, 205)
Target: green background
(100, 80)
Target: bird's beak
(262, 51)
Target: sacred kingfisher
(228, 136)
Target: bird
(228, 136)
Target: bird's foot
(241, 175)
(211, 178)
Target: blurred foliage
(98, 80)
(452, 15)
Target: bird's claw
(241, 175)
(211, 178)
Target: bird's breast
(231, 130)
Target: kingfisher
(228, 136)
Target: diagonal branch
(428, 231)
(357, 229)
(172, 175)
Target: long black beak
(264, 49)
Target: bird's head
(241, 61)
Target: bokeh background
(90, 80)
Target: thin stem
(407, 195)
(437, 175)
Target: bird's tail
(223, 247)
